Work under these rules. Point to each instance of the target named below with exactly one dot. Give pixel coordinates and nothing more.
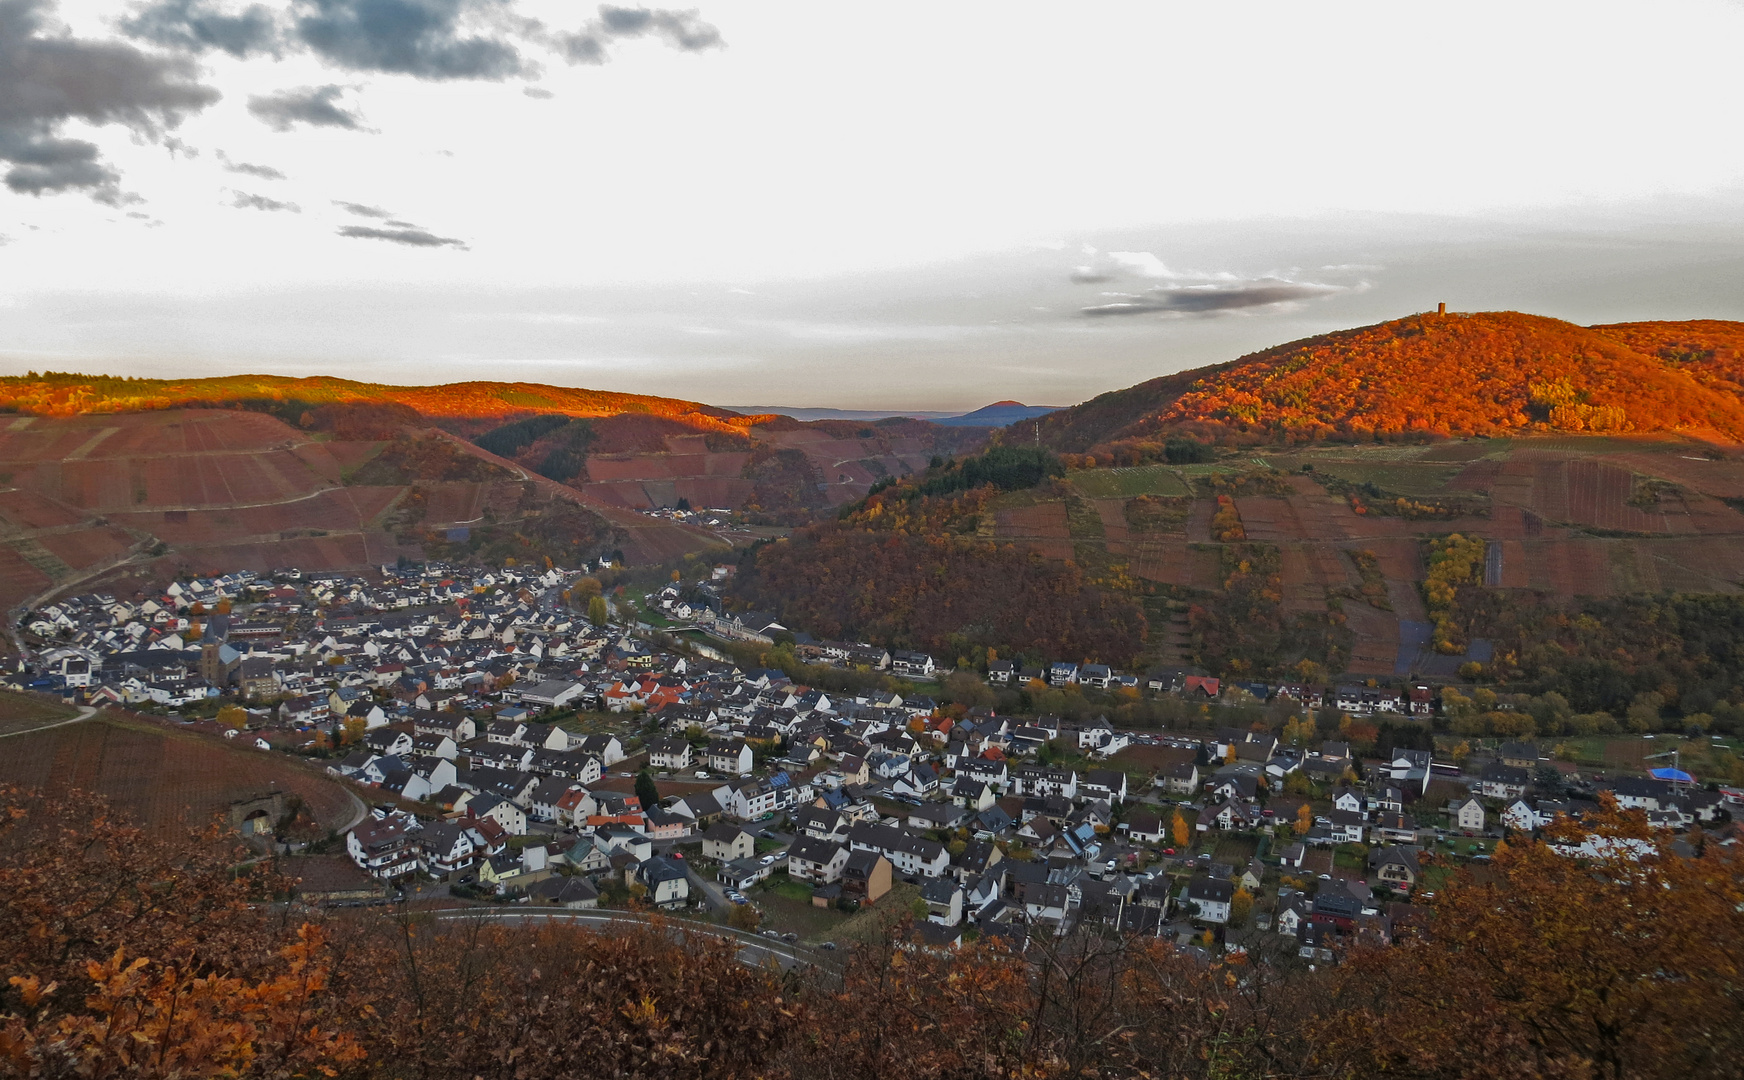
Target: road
(85, 713)
(753, 949)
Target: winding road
(754, 950)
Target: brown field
(25, 511)
(88, 547)
(1043, 521)
(162, 777)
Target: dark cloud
(422, 38)
(245, 201)
(683, 30)
(312, 105)
(48, 80)
(197, 26)
(361, 210)
(1213, 298)
(410, 235)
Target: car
(1325, 877)
(1109, 866)
(679, 855)
(767, 860)
(772, 934)
(701, 775)
(790, 937)
(827, 945)
(1168, 851)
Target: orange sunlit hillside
(58, 394)
(1453, 374)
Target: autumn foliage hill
(1429, 375)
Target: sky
(892, 206)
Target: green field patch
(22, 712)
(1127, 482)
(1396, 477)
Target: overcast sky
(860, 206)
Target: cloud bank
(48, 79)
(1188, 292)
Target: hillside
(1484, 373)
(84, 498)
(626, 451)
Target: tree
(596, 610)
(1304, 819)
(1594, 952)
(646, 793)
(233, 716)
(744, 917)
(1240, 907)
(1180, 830)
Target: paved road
(753, 950)
(85, 713)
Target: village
(520, 738)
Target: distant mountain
(1483, 373)
(835, 414)
(998, 414)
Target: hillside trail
(85, 713)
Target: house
(1109, 785)
(817, 861)
(1467, 815)
(1499, 781)
(918, 782)
(743, 873)
(912, 665)
(972, 795)
(385, 848)
(1394, 829)
(944, 900)
(724, 843)
(505, 813)
(1397, 866)
(909, 854)
(865, 876)
(1519, 755)
(821, 823)
(1351, 802)
(574, 893)
(670, 753)
(1346, 827)
(730, 756)
(1182, 779)
(666, 881)
(1521, 816)
(1210, 897)
(1145, 827)
(446, 847)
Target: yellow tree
(1304, 818)
(1240, 907)
(233, 716)
(1180, 830)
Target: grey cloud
(46, 81)
(422, 38)
(411, 236)
(196, 26)
(538, 92)
(361, 210)
(684, 30)
(263, 172)
(1213, 298)
(245, 201)
(312, 105)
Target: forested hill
(1483, 373)
(67, 394)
